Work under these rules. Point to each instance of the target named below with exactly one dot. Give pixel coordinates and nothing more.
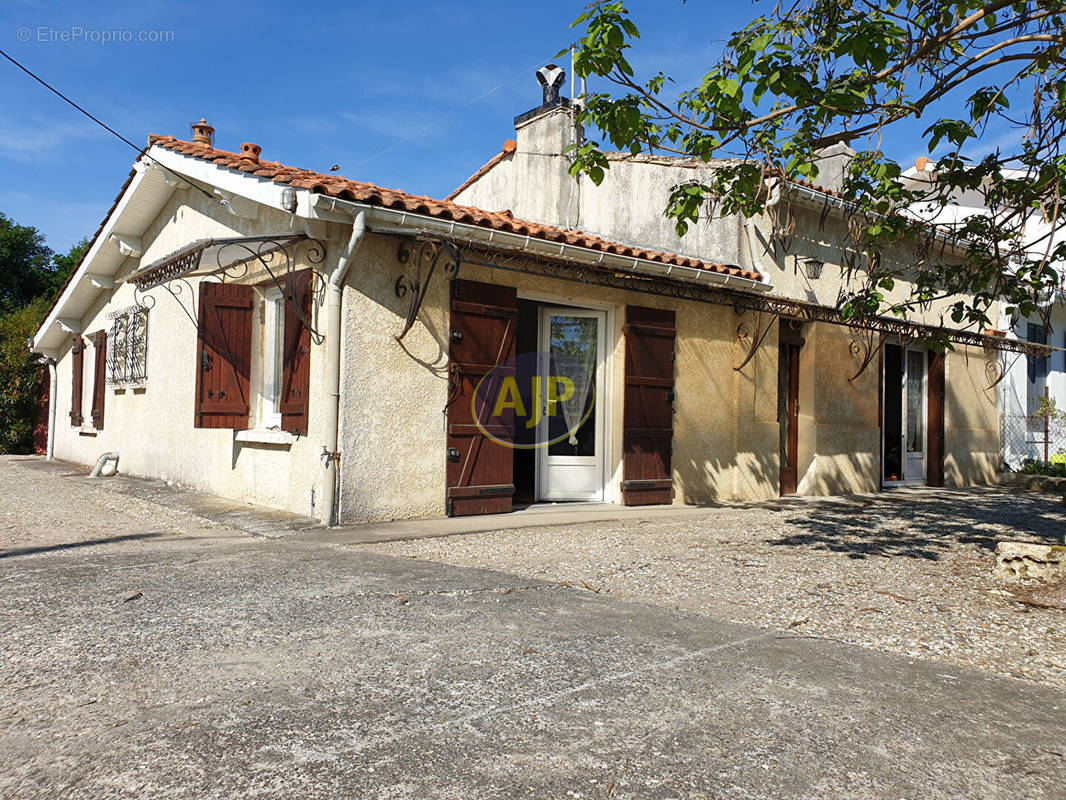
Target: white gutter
(334, 303)
(824, 198)
(388, 220)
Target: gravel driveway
(906, 572)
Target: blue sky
(383, 89)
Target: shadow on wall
(923, 526)
(971, 421)
(711, 480)
(437, 364)
(841, 473)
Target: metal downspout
(334, 301)
(50, 450)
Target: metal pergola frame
(776, 307)
(231, 258)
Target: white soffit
(139, 205)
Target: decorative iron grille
(127, 347)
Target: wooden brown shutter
(296, 357)
(224, 356)
(99, 378)
(934, 452)
(648, 416)
(77, 373)
(480, 473)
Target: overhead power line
(105, 126)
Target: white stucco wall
(151, 426)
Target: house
(1024, 380)
(326, 346)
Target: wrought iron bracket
(758, 336)
(997, 368)
(423, 254)
(277, 256)
(517, 261)
(862, 347)
(233, 259)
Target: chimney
(551, 78)
(543, 137)
(833, 165)
(250, 151)
(202, 133)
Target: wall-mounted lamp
(288, 199)
(813, 267)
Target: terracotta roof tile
(362, 192)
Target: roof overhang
(311, 205)
(151, 185)
(149, 189)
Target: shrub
(1052, 470)
(20, 377)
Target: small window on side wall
(127, 348)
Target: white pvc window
(273, 347)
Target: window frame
(273, 354)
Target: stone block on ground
(1028, 560)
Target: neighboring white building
(1028, 379)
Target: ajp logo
(534, 400)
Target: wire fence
(1032, 438)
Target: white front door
(570, 464)
(914, 414)
(904, 409)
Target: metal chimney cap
(551, 78)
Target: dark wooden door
(788, 413)
(648, 416)
(934, 451)
(480, 473)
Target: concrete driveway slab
(208, 664)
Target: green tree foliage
(30, 276)
(20, 377)
(65, 263)
(809, 74)
(26, 267)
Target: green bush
(20, 377)
(1052, 470)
